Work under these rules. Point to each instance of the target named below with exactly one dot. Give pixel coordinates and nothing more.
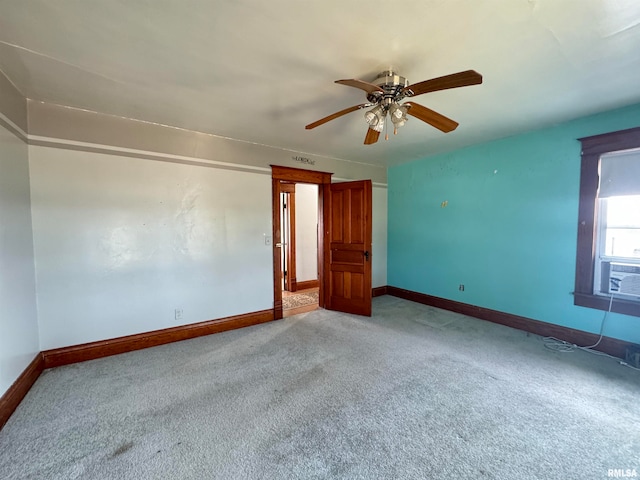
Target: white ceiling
(260, 70)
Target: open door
(344, 240)
(281, 176)
(347, 260)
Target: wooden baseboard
(12, 397)
(379, 291)
(307, 284)
(609, 345)
(104, 348)
(278, 310)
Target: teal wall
(508, 232)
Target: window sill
(626, 307)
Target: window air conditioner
(624, 279)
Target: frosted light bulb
(369, 116)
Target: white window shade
(619, 174)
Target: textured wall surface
(122, 243)
(500, 218)
(18, 317)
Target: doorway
(299, 225)
(284, 180)
(344, 231)
(299, 252)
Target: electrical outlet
(267, 240)
(178, 313)
(461, 287)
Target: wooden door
(348, 258)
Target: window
(608, 253)
(618, 247)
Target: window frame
(592, 149)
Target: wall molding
(74, 145)
(114, 346)
(611, 346)
(59, 126)
(13, 105)
(13, 128)
(379, 291)
(307, 284)
(17, 391)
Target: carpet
(299, 300)
(410, 393)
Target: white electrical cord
(557, 345)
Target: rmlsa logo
(622, 473)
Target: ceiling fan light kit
(386, 92)
(375, 118)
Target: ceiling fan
(388, 89)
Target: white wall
(18, 316)
(379, 237)
(121, 236)
(121, 243)
(306, 232)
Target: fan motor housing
(390, 79)
(391, 83)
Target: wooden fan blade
(455, 80)
(371, 137)
(432, 118)
(335, 115)
(366, 86)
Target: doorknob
(366, 255)
(278, 245)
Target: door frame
(280, 175)
(289, 213)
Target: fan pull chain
(386, 131)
